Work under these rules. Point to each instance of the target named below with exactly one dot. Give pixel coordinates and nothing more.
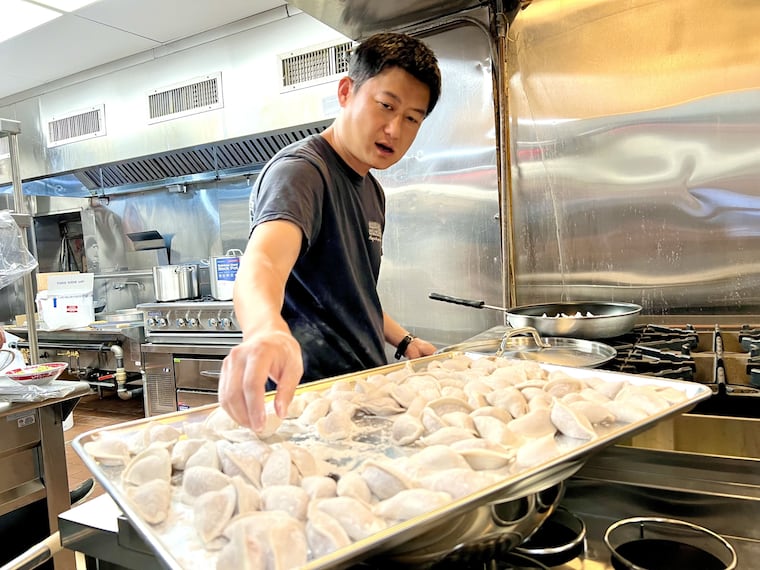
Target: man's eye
(413, 120)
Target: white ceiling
(109, 30)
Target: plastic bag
(11, 391)
(15, 259)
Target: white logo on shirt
(375, 232)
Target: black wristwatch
(403, 345)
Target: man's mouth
(384, 148)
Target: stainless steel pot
(175, 282)
(651, 543)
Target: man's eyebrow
(396, 98)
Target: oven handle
(211, 373)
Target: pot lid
(548, 350)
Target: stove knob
(151, 322)
(181, 322)
(161, 322)
(193, 322)
(212, 323)
(225, 323)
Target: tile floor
(93, 412)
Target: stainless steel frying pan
(573, 319)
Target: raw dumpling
(355, 517)
(324, 534)
(265, 539)
(183, 450)
(406, 429)
(151, 500)
(536, 451)
(353, 485)
(287, 498)
(570, 422)
(278, 469)
(211, 513)
(535, 423)
(199, 480)
(108, 450)
(319, 486)
(410, 503)
(335, 425)
(152, 463)
(383, 479)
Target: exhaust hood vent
(187, 98)
(76, 126)
(247, 154)
(312, 66)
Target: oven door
(197, 380)
(175, 375)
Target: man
(306, 290)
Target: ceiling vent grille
(312, 66)
(249, 154)
(76, 126)
(187, 98)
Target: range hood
(361, 18)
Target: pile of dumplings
(450, 429)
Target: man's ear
(345, 88)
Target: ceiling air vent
(187, 98)
(76, 126)
(314, 65)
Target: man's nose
(393, 127)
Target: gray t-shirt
(331, 301)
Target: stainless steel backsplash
(634, 155)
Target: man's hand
(245, 370)
(418, 348)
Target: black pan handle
(457, 300)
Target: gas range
(723, 357)
(203, 321)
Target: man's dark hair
(387, 49)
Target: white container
(222, 273)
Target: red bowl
(37, 374)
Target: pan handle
(457, 300)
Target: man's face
(382, 118)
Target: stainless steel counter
(33, 460)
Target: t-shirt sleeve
(289, 189)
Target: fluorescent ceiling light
(20, 16)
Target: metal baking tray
(179, 548)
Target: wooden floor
(93, 412)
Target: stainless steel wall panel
(442, 227)
(634, 156)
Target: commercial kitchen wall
(443, 225)
(634, 155)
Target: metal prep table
(33, 459)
